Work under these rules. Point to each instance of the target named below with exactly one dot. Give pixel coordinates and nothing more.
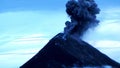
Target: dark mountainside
(67, 50)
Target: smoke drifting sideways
(83, 16)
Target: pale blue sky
(27, 25)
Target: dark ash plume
(82, 14)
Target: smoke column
(82, 14)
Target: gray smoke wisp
(82, 14)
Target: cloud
(106, 44)
(25, 42)
(108, 28)
(109, 25)
(31, 39)
(15, 60)
(21, 52)
(110, 13)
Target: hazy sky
(27, 25)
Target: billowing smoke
(82, 14)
